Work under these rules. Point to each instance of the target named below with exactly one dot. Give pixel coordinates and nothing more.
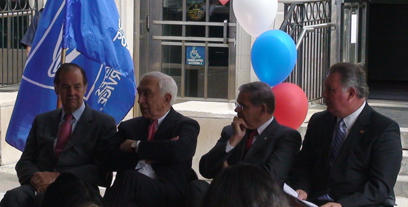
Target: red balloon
(291, 105)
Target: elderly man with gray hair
(153, 153)
(351, 154)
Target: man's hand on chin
(239, 130)
(331, 204)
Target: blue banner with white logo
(92, 34)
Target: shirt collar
(351, 119)
(77, 113)
(159, 121)
(264, 125)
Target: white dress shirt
(142, 166)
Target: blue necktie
(338, 141)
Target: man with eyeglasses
(254, 137)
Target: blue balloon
(273, 56)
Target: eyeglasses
(239, 106)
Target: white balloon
(255, 16)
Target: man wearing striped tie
(351, 154)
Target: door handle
(225, 31)
(148, 23)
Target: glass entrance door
(192, 41)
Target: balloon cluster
(273, 57)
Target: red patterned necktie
(63, 134)
(250, 139)
(152, 130)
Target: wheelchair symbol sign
(195, 55)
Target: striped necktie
(338, 141)
(336, 146)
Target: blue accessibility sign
(195, 55)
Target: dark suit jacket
(274, 150)
(173, 159)
(367, 165)
(82, 155)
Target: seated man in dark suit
(254, 137)
(272, 147)
(351, 154)
(153, 153)
(71, 139)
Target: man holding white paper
(351, 154)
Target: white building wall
(8, 154)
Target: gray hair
(260, 93)
(167, 84)
(352, 76)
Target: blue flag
(91, 32)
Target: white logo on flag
(121, 36)
(108, 85)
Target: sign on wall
(195, 55)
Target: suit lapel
(141, 132)
(52, 127)
(356, 133)
(166, 124)
(327, 130)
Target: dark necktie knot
(252, 132)
(68, 117)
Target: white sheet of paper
(293, 193)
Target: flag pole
(63, 54)
(63, 57)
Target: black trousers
(23, 196)
(133, 189)
(196, 192)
